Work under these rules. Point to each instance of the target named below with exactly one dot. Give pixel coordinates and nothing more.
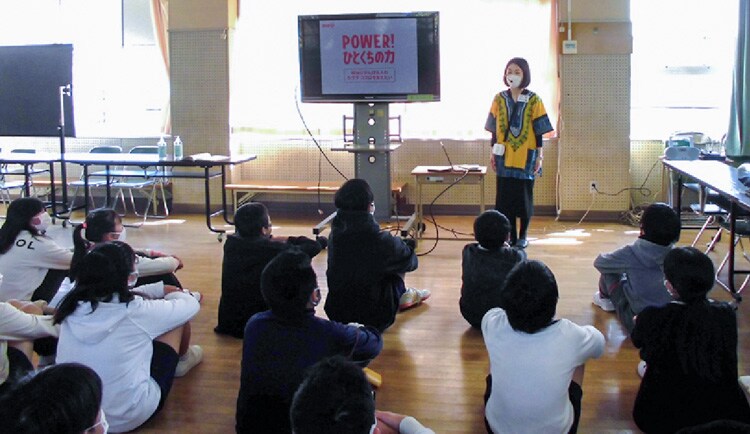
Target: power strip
(435, 178)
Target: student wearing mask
(33, 265)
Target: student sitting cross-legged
(485, 265)
(631, 276)
(137, 346)
(246, 253)
(366, 266)
(281, 342)
(533, 357)
(690, 349)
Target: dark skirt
(515, 197)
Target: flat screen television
(374, 57)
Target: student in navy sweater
(690, 349)
(485, 264)
(282, 342)
(246, 253)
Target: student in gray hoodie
(632, 277)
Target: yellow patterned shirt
(517, 125)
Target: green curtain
(739, 116)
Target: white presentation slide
(369, 56)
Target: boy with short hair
(536, 362)
(366, 266)
(280, 343)
(335, 398)
(485, 265)
(246, 253)
(632, 277)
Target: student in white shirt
(33, 265)
(533, 357)
(20, 324)
(104, 225)
(137, 346)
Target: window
(682, 66)
(118, 91)
(477, 38)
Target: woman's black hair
(529, 296)
(287, 283)
(99, 223)
(103, 273)
(691, 273)
(61, 399)
(524, 65)
(17, 219)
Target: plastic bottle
(177, 149)
(162, 145)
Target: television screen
(378, 57)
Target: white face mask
(514, 80)
(102, 422)
(132, 279)
(44, 221)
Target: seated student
(246, 253)
(366, 266)
(136, 346)
(632, 277)
(335, 398)
(60, 399)
(104, 225)
(533, 357)
(281, 342)
(690, 349)
(20, 324)
(485, 265)
(33, 265)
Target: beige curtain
(161, 25)
(553, 72)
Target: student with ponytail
(32, 264)
(690, 350)
(104, 225)
(137, 346)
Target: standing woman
(517, 121)
(32, 264)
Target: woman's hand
(492, 162)
(538, 165)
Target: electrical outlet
(593, 187)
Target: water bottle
(177, 149)
(162, 146)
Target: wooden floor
(433, 364)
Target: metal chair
(144, 181)
(18, 170)
(95, 183)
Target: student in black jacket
(246, 253)
(366, 266)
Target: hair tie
(84, 225)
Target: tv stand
(371, 146)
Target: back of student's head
(491, 229)
(354, 195)
(690, 272)
(287, 283)
(334, 398)
(18, 218)
(660, 224)
(97, 225)
(250, 219)
(61, 399)
(103, 273)
(529, 296)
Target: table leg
(224, 194)
(206, 179)
(86, 189)
(732, 228)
